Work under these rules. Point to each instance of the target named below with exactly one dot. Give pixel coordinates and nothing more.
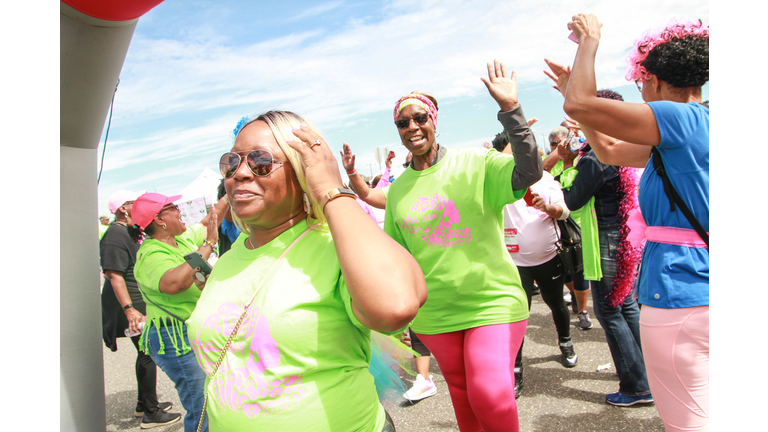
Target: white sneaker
(567, 298)
(422, 388)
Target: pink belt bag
(639, 232)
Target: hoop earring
(163, 226)
(437, 134)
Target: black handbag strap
(674, 197)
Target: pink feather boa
(628, 257)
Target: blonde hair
(282, 123)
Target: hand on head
(501, 86)
(322, 169)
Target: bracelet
(126, 307)
(335, 193)
(353, 172)
(207, 243)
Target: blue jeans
(622, 323)
(185, 372)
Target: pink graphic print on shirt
(243, 388)
(435, 227)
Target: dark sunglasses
(419, 119)
(170, 207)
(554, 143)
(259, 162)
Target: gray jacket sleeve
(528, 168)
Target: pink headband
(414, 99)
(675, 29)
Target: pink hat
(147, 206)
(117, 199)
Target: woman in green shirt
(283, 326)
(167, 285)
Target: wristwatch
(126, 307)
(337, 192)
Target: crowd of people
(280, 334)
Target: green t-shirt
(102, 230)
(300, 360)
(449, 218)
(153, 259)
(557, 169)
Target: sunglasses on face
(420, 119)
(554, 143)
(260, 162)
(169, 207)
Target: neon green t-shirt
(300, 360)
(153, 259)
(449, 218)
(102, 230)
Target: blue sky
(194, 68)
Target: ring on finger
(316, 143)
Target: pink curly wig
(675, 29)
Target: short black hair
(500, 141)
(681, 62)
(609, 94)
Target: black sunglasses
(419, 119)
(259, 162)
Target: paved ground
(554, 399)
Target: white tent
(198, 195)
(206, 185)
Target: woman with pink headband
(669, 131)
(446, 210)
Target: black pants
(550, 279)
(417, 345)
(146, 377)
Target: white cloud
(339, 77)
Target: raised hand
(531, 121)
(502, 86)
(347, 158)
(322, 169)
(559, 74)
(585, 27)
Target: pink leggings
(478, 365)
(676, 352)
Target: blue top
(672, 276)
(230, 230)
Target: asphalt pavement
(553, 399)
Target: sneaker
(621, 399)
(584, 322)
(567, 298)
(535, 291)
(569, 358)
(165, 406)
(575, 307)
(159, 418)
(422, 388)
(518, 381)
